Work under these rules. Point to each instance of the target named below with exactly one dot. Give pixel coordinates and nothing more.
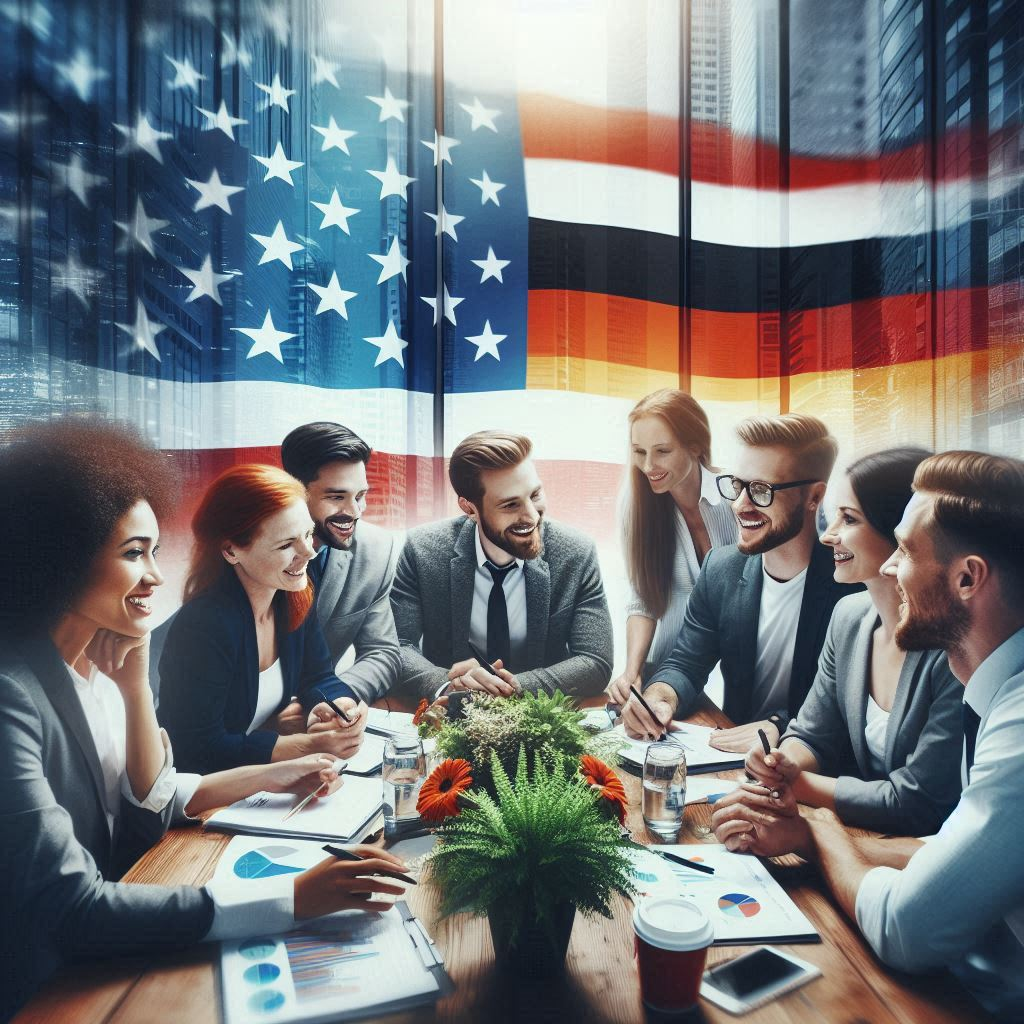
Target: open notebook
(700, 755)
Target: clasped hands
(471, 675)
(330, 733)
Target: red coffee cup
(672, 936)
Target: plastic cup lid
(670, 922)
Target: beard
(326, 535)
(773, 536)
(518, 547)
(934, 621)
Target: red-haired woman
(674, 515)
(245, 668)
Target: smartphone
(755, 978)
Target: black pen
(342, 854)
(764, 742)
(479, 655)
(334, 707)
(686, 863)
(647, 707)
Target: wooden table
(599, 985)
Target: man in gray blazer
(354, 565)
(524, 590)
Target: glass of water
(664, 796)
(404, 771)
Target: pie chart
(736, 904)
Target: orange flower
(439, 795)
(606, 784)
(420, 710)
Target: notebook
(367, 760)
(700, 755)
(389, 723)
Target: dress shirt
(959, 902)
(514, 586)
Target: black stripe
(737, 279)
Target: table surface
(599, 983)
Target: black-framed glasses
(762, 494)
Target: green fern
(542, 841)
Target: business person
(525, 590)
(762, 606)
(958, 900)
(673, 517)
(244, 663)
(87, 780)
(354, 562)
(878, 737)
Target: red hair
(232, 510)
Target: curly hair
(64, 485)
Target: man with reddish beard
(760, 607)
(956, 900)
(354, 564)
(526, 591)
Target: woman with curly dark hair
(86, 776)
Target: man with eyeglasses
(760, 607)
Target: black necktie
(971, 722)
(498, 643)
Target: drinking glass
(664, 791)
(404, 771)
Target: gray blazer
(924, 738)
(354, 608)
(60, 901)
(568, 628)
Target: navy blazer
(721, 625)
(209, 677)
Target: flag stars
(325, 71)
(491, 266)
(81, 74)
(392, 263)
(186, 76)
(233, 52)
(336, 213)
(488, 189)
(441, 147)
(74, 277)
(74, 177)
(205, 281)
(141, 228)
(144, 331)
(449, 304)
(142, 135)
(277, 246)
(389, 345)
(277, 94)
(332, 297)
(392, 181)
(222, 120)
(266, 338)
(389, 106)
(481, 116)
(334, 137)
(278, 165)
(486, 343)
(213, 192)
(446, 222)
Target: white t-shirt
(875, 728)
(270, 693)
(776, 639)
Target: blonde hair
(648, 526)
(805, 436)
(486, 449)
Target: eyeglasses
(761, 494)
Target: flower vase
(539, 948)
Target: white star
(205, 281)
(441, 147)
(277, 93)
(336, 213)
(390, 345)
(486, 343)
(449, 305)
(142, 135)
(186, 76)
(278, 165)
(482, 117)
(277, 246)
(141, 228)
(391, 263)
(13, 121)
(491, 266)
(34, 16)
(334, 137)
(233, 53)
(222, 120)
(276, 19)
(81, 74)
(17, 217)
(389, 106)
(144, 331)
(333, 296)
(392, 181)
(266, 338)
(324, 71)
(75, 178)
(488, 189)
(446, 222)
(75, 277)
(213, 193)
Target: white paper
(390, 723)
(700, 755)
(702, 789)
(743, 901)
(367, 760)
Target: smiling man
(354, 563)
(523, 589)
(761, 606)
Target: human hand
(743, 737)
(334, 885)
(771, 769)
(300, 774)
(323, 718)
(638, 723)
(471, 675)
(779, 800)
(745, 826)
(618, 689)
(121, 658)
(289, 720)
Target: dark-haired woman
(879, 736)
(87, 781)
(245, 667)
(674, 515)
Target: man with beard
(354, 565)
(524, 590)
(956, 900)
(760, 607)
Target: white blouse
(271, 690)
(875, 728)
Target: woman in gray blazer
(87, 781)
(878, 738)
